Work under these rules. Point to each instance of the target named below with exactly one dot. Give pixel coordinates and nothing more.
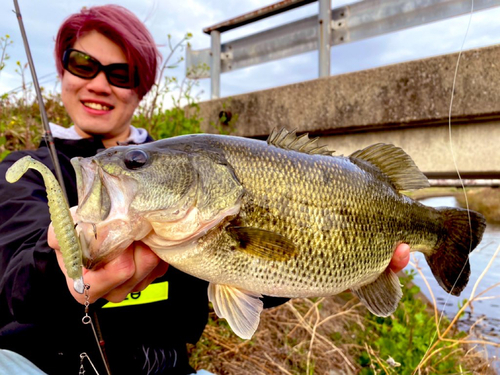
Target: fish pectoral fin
(382, 296)
(239, 307)
(396, 164)
(263, 243)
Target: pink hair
(123, 28)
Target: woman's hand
(400, 258)
(132, 271)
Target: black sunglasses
(85, 66)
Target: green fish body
(284, 218)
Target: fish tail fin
(450, 261)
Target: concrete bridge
(405, 104)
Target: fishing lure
(60, 215)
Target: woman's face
(95, 106)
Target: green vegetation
(183, 115)
(398, 343)
(5, 41)
(20, 114)
(20, 121)
(484, 200)
(337, 335)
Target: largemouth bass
(284, 218)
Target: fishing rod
(49, 139)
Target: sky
(163, 17)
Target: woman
(107, 62)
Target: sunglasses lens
(82, 65)
(119, 76)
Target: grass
(301, 336)
(484, 200)
(336, 335)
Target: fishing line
(451, 140)
(457, 65)
(88, 320)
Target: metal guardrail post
(324, 32)
(345, 24)
(215, 64)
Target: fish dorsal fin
(239, 307)
(263, 243)
(382, 296)
(289, 140)
(394, 163)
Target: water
(484, 316)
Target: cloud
(162, 17)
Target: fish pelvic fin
(382, 296)
(288, 140)
(392, 161)
(450, 261)
(239, 307)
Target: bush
(398, 344)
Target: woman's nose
(99, 84)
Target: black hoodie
(39, 318)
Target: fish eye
(135, 159)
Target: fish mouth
(94, 201)
(104, 225)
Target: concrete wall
(405, 104)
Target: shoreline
(483, 200)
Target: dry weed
(300, 336)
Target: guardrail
(346, 24)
